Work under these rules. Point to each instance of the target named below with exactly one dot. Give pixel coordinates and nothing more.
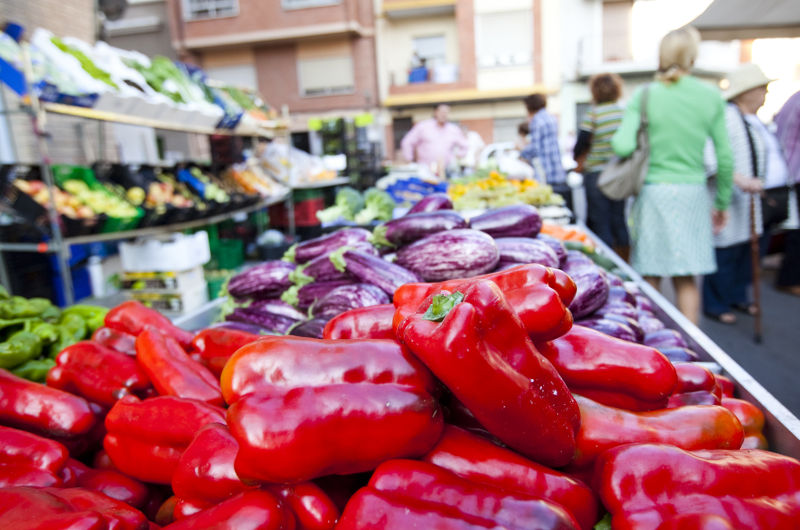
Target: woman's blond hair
(677, 53)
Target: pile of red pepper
(466, 404)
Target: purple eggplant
(577, 261)
(620, 294)
(643, 302)
(614, 280)
(319, 269)
(461, 253)
(614, 328)
(411, 227)
(276, 307)
(679, 355)
(374, 270)
(308, 250)
(303, 297)
(665, 338)
(268, 321)
(592, 291)
(312, 328)
(618, 307)
(432, 203)
(649, 322)
(557, 245)
(347, 297)
(239, 326)
(632, 323)
(267, 280)
(519, 220)
(526, 250)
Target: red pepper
(538, 294)
(97, 373)
(311, 506)
(697, 385)
(752, 420)
(171, 370)
(646, 485)
(110, 483)
(41, 409)
(371, 322)
(205, 474)
(481, 461)
(298, 434)
(369, 509)
(481, 352)
(696, 521)
(424, 483)
(29, 460)
(251, 510)
(215, 346)
(610, 370)
(727, 385)
(146, 438)
(688, 427)
(117, 513)
(133, 317)
(289, 362)
(19, 504)
(116, 340)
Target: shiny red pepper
(251, 510)
(371, 322)
(37, 408)
(216, 345)
(688, 427)
(424, 483)
(312, 507)
(117, 513)
(172, 371)
(289, 362)
(644, 486)
(727, 385)
(29, 460)
(368, 509)
(612, 371)
(752, 420)
(697, 385)
(538, 294)
(481, 461)
(292, 435)
(116, 340)
(98, 373)
(146, 438)
(111, 483)
(133, 317)
(481, 352)
(19, 504)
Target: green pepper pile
(33, 331)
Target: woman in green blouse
(673, 218)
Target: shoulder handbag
(774, 201)
(624, 177)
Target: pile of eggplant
(350, 268)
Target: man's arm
(408, 144)
(531, 150)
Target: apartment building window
(325, 68)
(617, 31)
(431, 48)
(504, 38)
(302, 4)
(199, 9)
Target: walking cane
(755, 258)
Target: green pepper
(19, 307)
(51, 314)
(71, 329)
(46, 331)
(20, 347)
(4, 293)
(94, 316)
(34, 369)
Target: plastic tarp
(748, 19)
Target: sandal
(748, 309)
(723, 318)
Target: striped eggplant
(319, 269)
(267, 280)
(618, 307)
(460, 253)
(630, 322)
(649, 322)
(677, 354)
(412, 227)
(620, 294)
(309, 328)
(614, 328)
(665, 338)
(277, 307)
(325, 244)
(432, 203)
(347, 297)
(526, 250)
(267, 321)
(557, 246)
(303, 297)
(592, 291)
(376, 271)
(519, 220)
(576, 261)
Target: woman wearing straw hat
(726, 289)
(673, 218)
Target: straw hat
(744, 78)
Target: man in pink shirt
(435, 142)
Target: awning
(749, 19)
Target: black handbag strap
(643, 108)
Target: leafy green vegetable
(348, 202)
(377, 205)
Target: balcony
(399, 9)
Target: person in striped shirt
(605, 217)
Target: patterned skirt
(671, 231)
